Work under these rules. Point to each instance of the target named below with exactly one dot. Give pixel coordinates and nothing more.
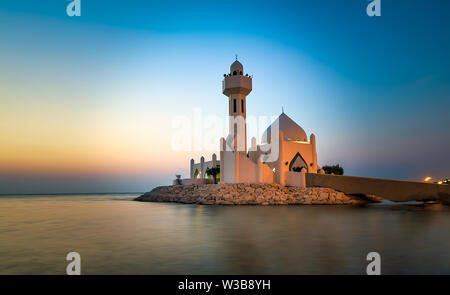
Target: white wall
(295, 179)
(229, 174)
(291, 148)
(247, 171)
(268, 174)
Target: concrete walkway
(393, 190)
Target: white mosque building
(284, 156)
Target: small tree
(335, 169)
(213, 172)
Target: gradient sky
(86, 103)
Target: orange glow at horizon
(108, 140)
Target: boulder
(248, 194)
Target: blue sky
(375, 91)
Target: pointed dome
(236, 66)
(292, 131)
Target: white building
(284, 152)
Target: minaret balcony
(236, 85)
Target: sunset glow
(96, 96)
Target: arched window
(298, 163)
(240, 73)
(242, 105)
(234, 105)
(234, 73)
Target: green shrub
(335, 169)
(213, 172)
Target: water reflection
(125, 237)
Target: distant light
(427, 178)
(439, 182)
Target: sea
(115, 235)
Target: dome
(236, 66)
(291, 130)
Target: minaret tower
(237, 86)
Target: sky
(87, 103)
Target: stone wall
(248, 194)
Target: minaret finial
(236, 56)
(282, 110)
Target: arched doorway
(297, 163)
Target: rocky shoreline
(250, 194)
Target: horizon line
(51, 194)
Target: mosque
(284, 156)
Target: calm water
(115, 235)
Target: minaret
(237, 86)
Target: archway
(298, 163)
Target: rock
(247, 194)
